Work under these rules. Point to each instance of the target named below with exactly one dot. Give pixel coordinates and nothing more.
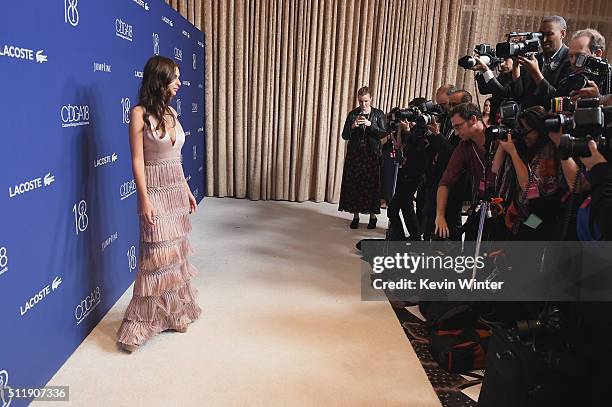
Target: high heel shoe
(354, 223)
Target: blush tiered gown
(163, 297)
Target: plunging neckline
(167, 133)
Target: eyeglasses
(459, 125)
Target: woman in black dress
(363, 128)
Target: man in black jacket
(536, 78)
(498, 87)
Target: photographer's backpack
(457, 341)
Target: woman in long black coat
(363, 128)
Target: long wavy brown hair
(154, 95)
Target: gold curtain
(281, 76)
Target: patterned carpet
(451, 388)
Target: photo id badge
(533, 221)
(533, 191)
(482, 186)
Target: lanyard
(484, 171)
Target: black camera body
(422, 114)
(509, 49)
(588, 121)
(591, 69)
(508, 113)
(487, 55)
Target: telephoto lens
(570, 146)
(559, 122)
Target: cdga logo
(71, 14)
(194, 62)
(178, 54)
(127, 189)
(186, 34)
(126, 105)
(195, 152)
(178, 107)
(123, 30)
(74, 115)
(6, 395)
(156, 43)
(88, 304)
(3, 260)
(194, 108)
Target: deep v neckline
(167, 134)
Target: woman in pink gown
(163, 298)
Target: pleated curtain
(281, 75)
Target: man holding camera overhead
(536, 77)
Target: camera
(396, 115)
(588, 121)
(591, 68)
(509, 49)
(592, 65)
(508, 114)
(485, 52)
(547, 329)
(501, 133)
(422, 114)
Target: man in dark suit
(497, 86)
(537, 77)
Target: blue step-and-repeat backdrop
(70, 72)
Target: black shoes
(372, 223)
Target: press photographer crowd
(534, 165)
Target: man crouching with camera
(472, 154)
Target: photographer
(536, 78)
(410, 140)
(499, 87)
(442, 142)
(588, 42)
(363, 128)
(471, 156)
(528, 168)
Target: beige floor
(283, 323)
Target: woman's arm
(522, 173)
(498, 160)
(137, 148)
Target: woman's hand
(193, 204)
(148, 212)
